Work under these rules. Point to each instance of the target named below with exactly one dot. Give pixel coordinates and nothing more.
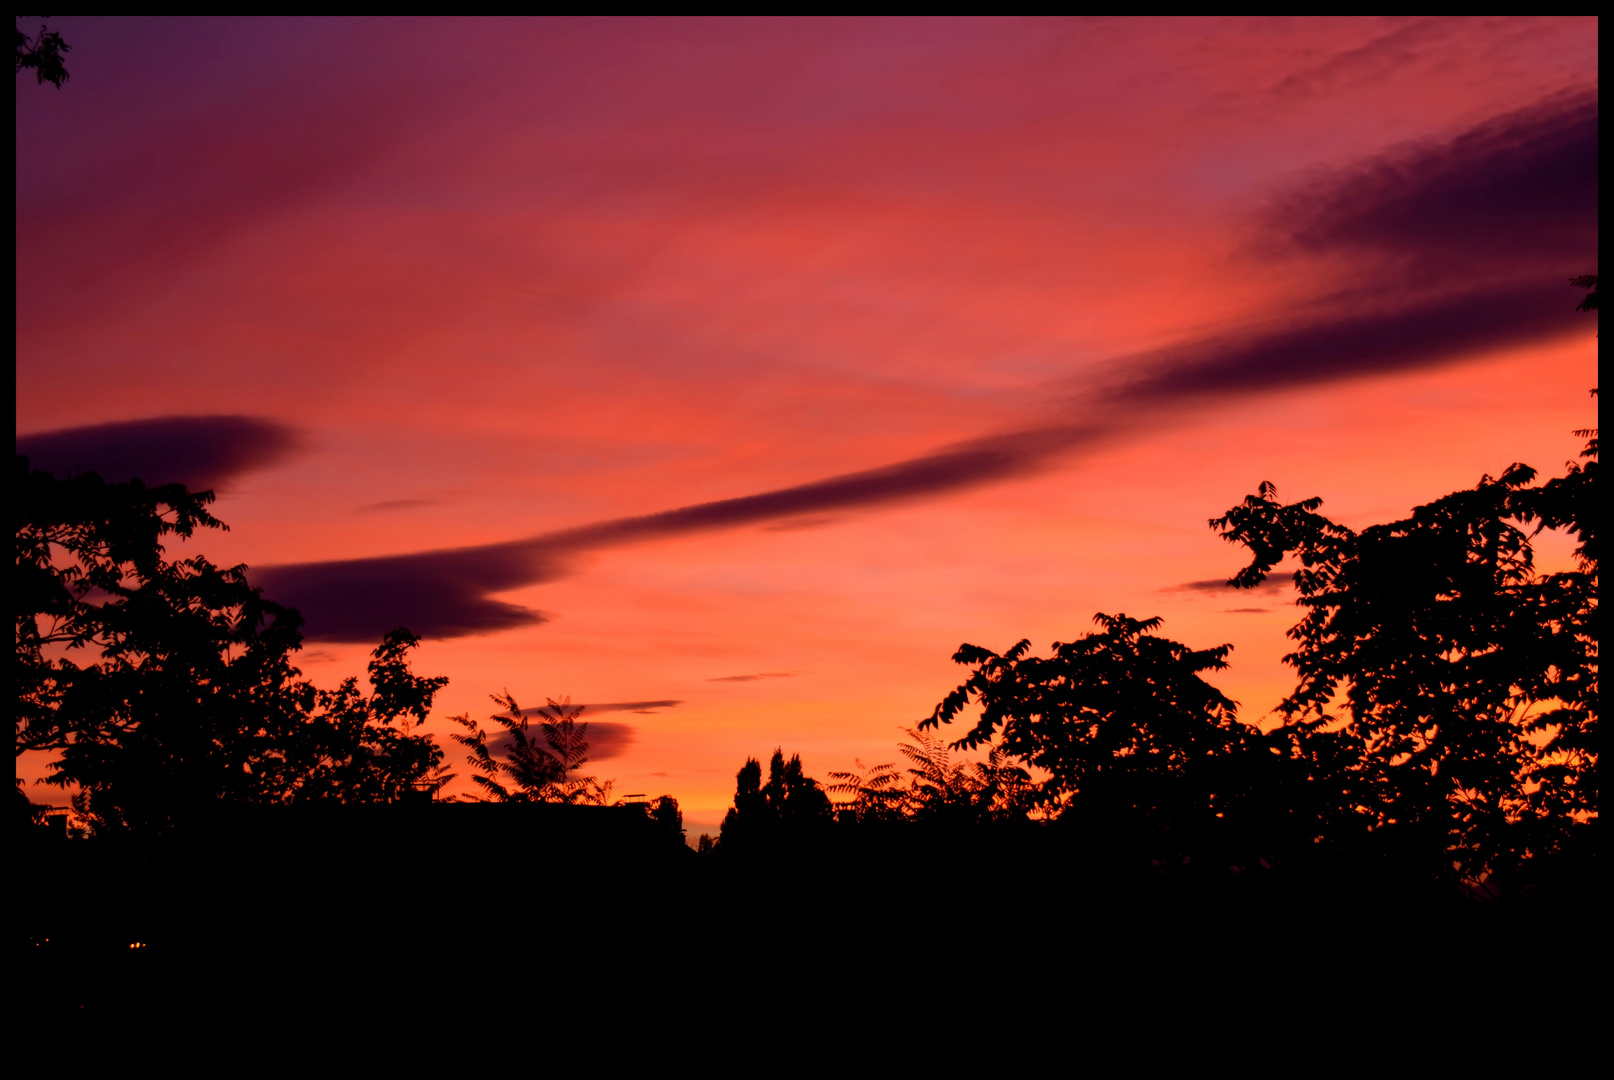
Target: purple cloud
(1349, 346)
(1273, 583)
(444, 593)
(606, 739)
(1468, 244)
(647, 708)
(435, 593)
(1516, 193)
(197, 451)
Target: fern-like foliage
(1589, 283)
(518, 766)
(937, 781)
(935, 785)
(875, 792)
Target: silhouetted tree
(1452, 686)
(531, 771)
(44, 53)
(181, 737)
(79, 541)
(1120, 700)
(747, 819)
(790, 804)
(359, 748)
(665, 813)
(975, 791)
(939, 786)
(1138, 747)
(1468, 684)
(167, 686)
(791, 795)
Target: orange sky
(496, 280)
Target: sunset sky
(727, 375)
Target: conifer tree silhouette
(790, 804)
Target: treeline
(1441, 731)
(166, 689)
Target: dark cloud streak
(646, 707)
(395, 504)
(606, 739)
(1273, 583)
(1351, 346)
(1517, 191)
(445, 593)
(1464, 244)
(1455, 247)
(435, 593)
(197, 451)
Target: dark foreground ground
(354, 911)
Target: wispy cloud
(646, 707)
(1273, 583)
(798, 524)
(606, 739)
(1375, 59)
(1356, 345)
(395, 504)
(754, 678)
(1510, 197)
(197, 451)
(446, 593)
(434, 593)
(1460, 243)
